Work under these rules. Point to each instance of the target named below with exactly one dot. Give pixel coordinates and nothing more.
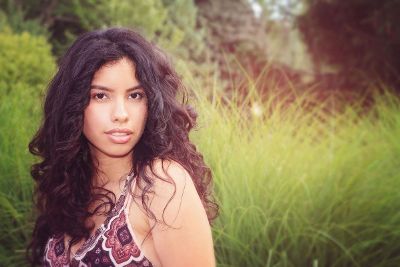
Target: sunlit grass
(298, 187)
(19, 117)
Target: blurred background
(299, 117)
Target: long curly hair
(64, 188)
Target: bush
(26, 64)
(24, 59)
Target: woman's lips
(119, 139)
(119, 136)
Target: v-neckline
(97, 233)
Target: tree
(63, 19)
(166, 22)
(360, 38)
(235, 38)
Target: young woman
(119, 183)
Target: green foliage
(302, 187)
(180, 35)
(26, 63)
(67, 19)
(12, 16)
(234, 36)
(360, 38)
(24, 59)
(62, 19)
(169, 23)
(147, 16)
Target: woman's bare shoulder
(165, 172)
(172, 185)
(177, 204)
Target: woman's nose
(120, 114)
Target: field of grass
(19, 117)
(295, 187)
(302, 188)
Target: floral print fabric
(112, 244)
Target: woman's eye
(136, 95)
(99, 96)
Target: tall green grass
(297, 186)
(303, 187)
(26, 65)
(19, 118)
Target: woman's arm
(191, 243)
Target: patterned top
(112, 244)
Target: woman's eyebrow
(104, 88)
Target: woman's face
(116, 115)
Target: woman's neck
(111, 170)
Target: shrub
(26, 64)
